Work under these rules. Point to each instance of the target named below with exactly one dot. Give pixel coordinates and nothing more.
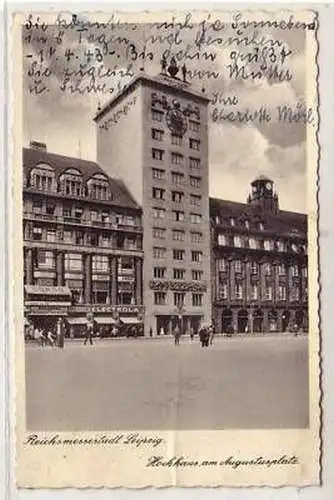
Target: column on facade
(29, 267)
(60, 268)
(113, 279)
(88, 278)
(139, 280)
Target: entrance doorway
(242, 321)
(227, 321)
(258, 321)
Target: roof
(162, 81)
(283, 221)
(60, 163)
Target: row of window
(158, 116)
(177, 215)
(176, 196)
(161, 252)
(49, 208)
(255, 244)
(177, 158)
(177, 235)
(43, 178)
(267, 293)
(219, 220)
(160, 299)
(74, 262)
(282, 269)
(178, 274)
(178, 178)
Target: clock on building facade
(176, 121)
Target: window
(105, 240)
(177, 178)
(238, 291)
(280, 246)
(253, 243)
(37, 208)
(159, 253)
(281, 269)
(159, 233)
(159, 272)
(194, 126)
(304, 272)
(73, 262)
(105, 216)
(176, 139)
(294, 295)
(254, 292)
(43, 178)
(37, 234)
(160, 298)
(237, 241)
(50, 208)
(125, 263)
(68, 237)
(223, 291)
(158, 173)
(238, 266)
(177, 159)
(261, 226)
(71, 183)
(195, 181)
(125, 220)
(159, 213)
(281, 292)
(93, 215)
(157, 154)
(195, 237)
(158, 193)
(51, 235)
(222, 265)
(194, 163)
(232, 222)
(177, 196)
(195, 200)
(268, 245)
(178, 215)
(196, 256)
(254, 268)
(247, 224)
(196, 275)
(45, 259)
(100, 263)
(222, 241)
(195, 218)
(294, 248)
(98, 187)
(67, 212)
(295, 271)
(267, 269)
(178, 274)
(194, 144)
(178, 299)
(157, 116)
(268, 293)
(178, 235)
(78, 213)
(157, 135)
(178, 254)
(197, 299)
(94, 239)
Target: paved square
(137, 384)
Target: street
(238, 383)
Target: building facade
(259, 263)
(166, 170)
(82, 243)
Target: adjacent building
(82, 238)
(154, 136)
(259, 263)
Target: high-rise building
(154, 136)
(259, 263)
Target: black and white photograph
(168, 223)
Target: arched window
(98, 187)
(71, 183)
(43, 178)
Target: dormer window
(98, 187)
(43, 178)
(71, 183)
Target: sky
(238, 152)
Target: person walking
(89, 330)
(211, 334)
(177, 335)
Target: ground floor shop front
(259, 319)
(169, 324)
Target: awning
(47, 290)
(105, 320)
(77, 321)
(130, 321)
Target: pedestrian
(177, 335)
(50, 338)
(89, 330)
(191, 333)
(211, 334)
(162, 331)
(151, 332)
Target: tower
(154, 136)
(263, 195)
